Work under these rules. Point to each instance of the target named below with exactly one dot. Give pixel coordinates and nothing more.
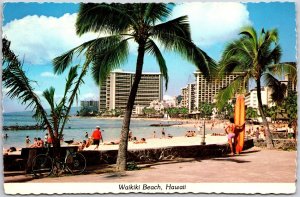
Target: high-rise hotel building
(188, 96)
(114, 92)
(206, 91)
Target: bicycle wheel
(42, 166)
(75, 163)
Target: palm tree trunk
(122, 153)
(269, 139)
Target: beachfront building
(292, 86)
(114, 92)
(90, 105)
(188, 97)
(251, 97)
(206, 91)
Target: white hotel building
(114, 92)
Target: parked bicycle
(44, 165)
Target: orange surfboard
(239, 121)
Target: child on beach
(230, 134)
(27, 141)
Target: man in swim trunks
(97, 136)
(230, 134)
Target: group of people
(38, 142)
(190, 134)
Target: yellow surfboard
(239, 121)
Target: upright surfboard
(239, 121)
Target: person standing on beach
(130, 135)
(154, 134)
(97, 136)
(27, 141)
(230, 134)
(163, 134)
(86, 135)
(46, 140)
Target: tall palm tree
(257, 56)
(144, 23)
(19, 86)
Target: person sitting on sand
(88, 142)
(142, 141)
(11, 149)
(40, 143)
(113, 143)
(34, 145)
(230, 134)
(82, 145)
(134, 139)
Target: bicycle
(43, 165)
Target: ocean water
(77, 126)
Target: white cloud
(48, 74)
(40, 38)
(212, 23)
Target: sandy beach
(166, 142)
(154, 143)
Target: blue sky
(41, 31)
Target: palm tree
(251, 113)
(257, 56)
(19, 86)
(145, 24)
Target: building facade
(206, 91)
(91, 105)
(188, 97)
(251, 97)
(114, 92)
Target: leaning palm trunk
(123, 146)
(264, 119)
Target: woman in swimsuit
(230, 133)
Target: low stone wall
(145, 155)
(282, 144)
(160, 154)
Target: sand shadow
(231, 159)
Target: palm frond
(278, 89)
(250, 32)
(17, 82)
(175, 36)
(111, 18)
(110, 56)
(156, 12)
(152, 48)
(48, 94)
(74, 92)
(227, 93)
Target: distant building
(188, 97)
(114, 92)
(91, 105)
(206, 91)
(291, 85)
(251, 97)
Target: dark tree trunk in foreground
(269, 139)
(123, 146)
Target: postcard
(152, 97)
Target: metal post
(203, 134)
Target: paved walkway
(252, 166)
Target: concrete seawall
(95, 157)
